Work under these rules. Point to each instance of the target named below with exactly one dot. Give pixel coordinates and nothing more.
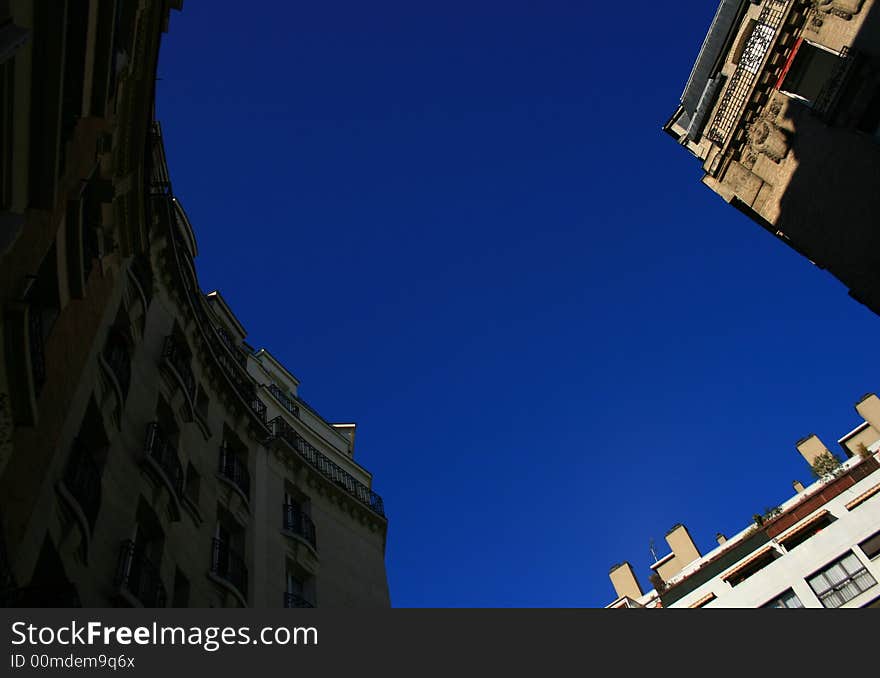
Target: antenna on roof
(652, 548)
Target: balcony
(237, 375)
(229, 566)
(116, 355)
(82, 480)
(137, 578)
(233, 348)
(299, 523)
(235, 471)
(162, 456)
(291, 600)
(285, 400)
(327, 468)
(178, 357)
(231, 359)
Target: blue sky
(460, 225)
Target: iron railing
(326, 467)
(116, 353)
(300, 523)
(826, 101)
(233, 348)
(234, 469)
(292, 600)
(747, 71)
(160, 450)
(137, 575)
(229, 566)
(82, 478)
(229, 359)
(285, 400)
(179, 359)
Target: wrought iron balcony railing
(161, 451)
(229, 566)
(116, 353)
(137, 575)
(825, 104)
(292, 600)
(300, 523)
(285, 400)
(326, 467)
(82, 478)
(179, 359)
(739, 87)
(234, 469)
(232, 360)
(233, 348)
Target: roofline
(858, 429)
(665, 559)
(226, 308)
(277, 363)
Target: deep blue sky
(460, 225)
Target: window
(802, 534)
(747, 569)
(300, 589)
(810, 68)
(297, 515)
(841, 581)
(871, 546)
(787, 599)
(228, 549)
(234, 462)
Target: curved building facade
(149, 456)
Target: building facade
(820, 548)
(782, 109)
(149, 456)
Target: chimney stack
(679, 540)
(811, 448)
(721, 538)
(869, 409)
(624, 580)
(798, 486)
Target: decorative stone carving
(845, 9)
(765, 137)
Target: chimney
(721, 538)
(869, 409)
(798, 486)
(811, 447)
(679, 540)
(624, 580)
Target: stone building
(782, 109)
(148, 455)
(820, 548)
